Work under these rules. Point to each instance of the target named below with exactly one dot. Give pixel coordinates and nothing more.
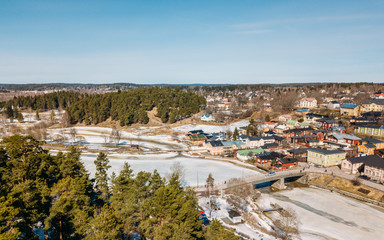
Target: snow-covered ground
(211, 128)
(326, 215)
(196, 169)
(96, 136)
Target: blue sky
(245, 42)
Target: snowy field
(196, 169)
(96, 136)
(211, 128)
(325, 215)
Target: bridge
(257, 179)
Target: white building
(308, 103)
(207, 118)
(333, 105)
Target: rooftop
(325, 151)
(349, 105)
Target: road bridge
(257, 179)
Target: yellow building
(325, 158)
(374, 105)
(350, 109)
(369, 145)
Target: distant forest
(128, 107)
(195, 87)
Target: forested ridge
(56, 194)
(128, 107)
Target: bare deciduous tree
(288, 222)
(73, 134)
(115, 136)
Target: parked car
(271, 173)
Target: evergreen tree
(235, 134)
(37, 117)
(216, 231)
(101, 175)
(70, 208)
(8, 219)
(9, 112)
(104, 225)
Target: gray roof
(375, 161)
(298, 150)
(325, 151)
(216, 143)
(366, 159)
(369, 145)
(371, 140)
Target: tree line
(128, 107)
(54, 195)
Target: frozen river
(196, 169)
(326, 215)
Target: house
(215, 147)
(326, 124)
(194, 132)
(285, 163)
(373, 114)
(325, 158)
(333, 105)
(369, 145)
(379, 95)
(269, 157)
(303, 125)
(319, 134)
(230, 146)
(280, 129)
(235, 216)
(350, 109)
(373, 105)
(243, 130)
(343, 138)
(379, 152)
(338, 129)
(312, 117)
(300, 154)
(291, 123)
(308, 103)
(270, 146)
(268, 139)
(247, 154)
(207, 118)
(285, 117)
(372, 130)
(291, 133)
(356, 164)
(198, 139)
(374, 168)
(251, 142)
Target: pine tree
(235, 134)
(8, 219)
(104, 225)
(70, 208)
(101, 175)
(216, 231)
(70, 164)
(9, 112)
